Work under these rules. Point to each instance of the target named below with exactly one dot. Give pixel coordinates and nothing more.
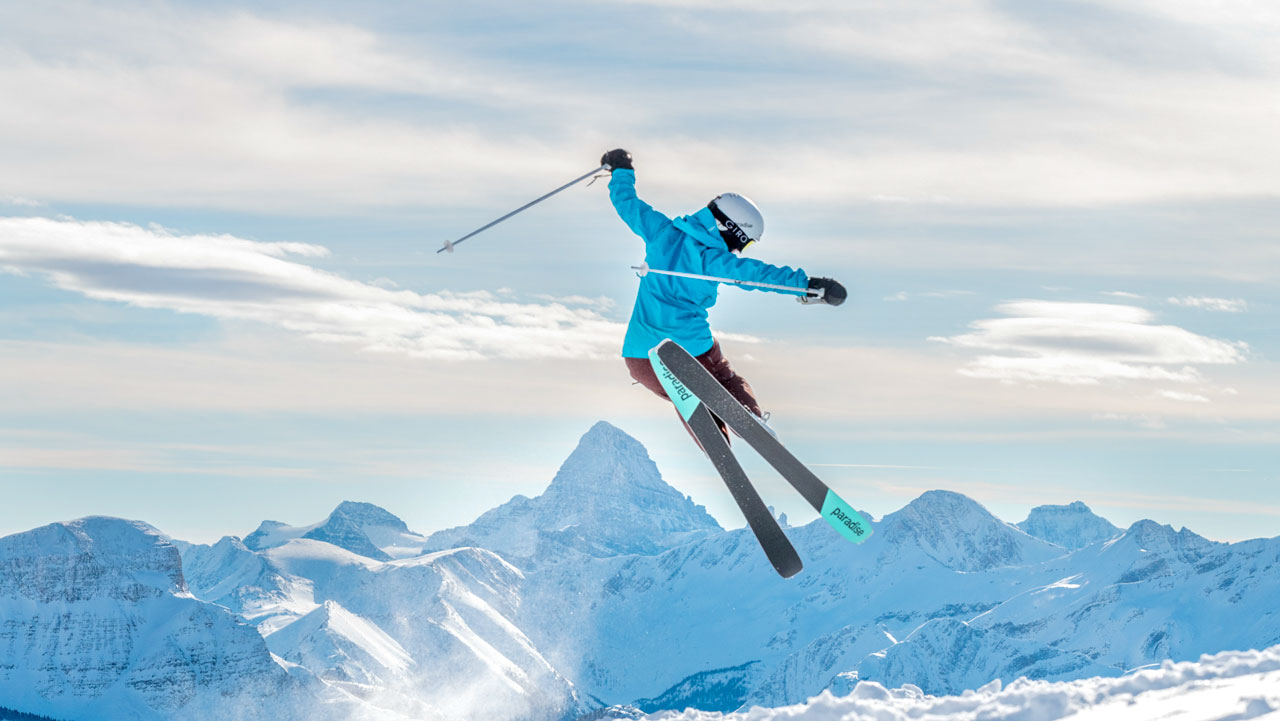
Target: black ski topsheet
(693, 385)
(772, 540)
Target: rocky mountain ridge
(612, 588)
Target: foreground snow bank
(1235, 685)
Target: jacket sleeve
(643, 220)
(727, 265)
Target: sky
(221, 301)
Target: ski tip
(787, 570)
(653, 352)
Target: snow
(611, 588)
(1235, 685)
(607, 500)
(1071, 526)
(361, 528)
(346, 646)
(96, 623)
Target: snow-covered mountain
(1071, 526)
(361, 528)
(343, 646)
(947, 653)
(96, 623)
(613, 589)
(608, 499)
(429, 636)
(959, 534)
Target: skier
(708, 242)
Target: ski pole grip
(814, 295)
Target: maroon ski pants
(714, 361)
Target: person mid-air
(708, 242)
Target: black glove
(832, 292)
(615, 159)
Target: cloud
(225, 108)
(1221, 305)
(902, 295)
(230, 278)
(1146, 420)
(1184, 397)
(1086, 344)
(602, 301)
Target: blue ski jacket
(673, 307)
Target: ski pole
(807, 295)
(448, 244)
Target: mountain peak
(91, 557)
(607, 499)
(939, 501)
(348, 527)
(606, 457)
(961, 534)
(1071, 526)
(1160, 538)
(361, 528)
(605, 430)
(367, 514)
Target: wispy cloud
(1183, 396)
(603, 302)
(1086, 344)
(1221, 305)
(20, 202)
(225, 277)
(902, 295)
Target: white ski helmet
(738, 219)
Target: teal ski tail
(845, 519)
(686, 402)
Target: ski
(688, 374)
(775, 544)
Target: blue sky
(220, 299)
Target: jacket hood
(702, 227)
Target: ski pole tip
(448, 247)
(641, 270)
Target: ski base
(690, 385)
(775, 544)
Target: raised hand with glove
(615, 159)
(827, 291)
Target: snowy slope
(945, 596)
(1234, 685)
(960, 534)
(342, 646)
(429, 631)
(1071, 526)
(1151, 594)
(96, 623)
(245, 582)
(717, 604)
(947, 654)
(608, 499)
(361, 528)
(612, 588)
